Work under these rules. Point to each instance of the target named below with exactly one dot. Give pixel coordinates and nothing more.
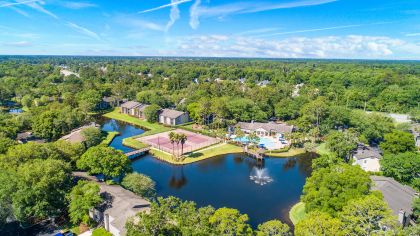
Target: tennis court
(194, 141)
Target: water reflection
(178, 178)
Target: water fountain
(260, 176)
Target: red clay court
(194, 141)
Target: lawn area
(290, 153)
(153, 128)
(297, 213)
(322, 149)
(212, 151)
(133, 143)
(110, 136)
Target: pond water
(264, 192)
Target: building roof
(110, 99)
(125, 204)
(76, 135)
(364, 152)
(271, 126)
(24, 136)
(142, 107)
(171, 113)
(130, 104)
(398, 196)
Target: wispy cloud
(197, 11)
(139, 23)
(83, 30)
(9, 4)
(412, 34)
(324, 29)
(37, 5)
(78, 5)
(18, 44)
(173, 3)
(173, 15)
(350, 46)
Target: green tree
(342, 143)
(101, 232)
(403, 167)
(46, 126)
(151, 113)
(273, 228)
(83, 197)
(182, 139)
(41, 189)
(5, 143)
(398, 142)
(92, 136)
(368, 215)
(319, 223)
(227, 221)
(104, 160)
(325, 161)
(7, 189)
(329, 189)
(253, 138)
(140, 184)
(416, 208)
(89, 100)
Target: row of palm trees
(177, 138)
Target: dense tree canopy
(403, 167)
(104, 160)
(83, 197)
(329, 189)
(397, 142)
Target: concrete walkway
(122, 204)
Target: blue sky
(371, 29)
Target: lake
(263, 191)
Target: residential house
(133, 108)
(367, 158)
(263, 83)
(173, 117)
(398, 197)
(25, 137)
(76, 135)
(109, 102)
(266, 129)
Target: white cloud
(139, 23)
(78, 5)
(83, 30)
(412, 34)
(173, 3)
(351, 46)
(197, 11)
(174, 14)
(9, 4)
(18, 44)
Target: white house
(367, 158)
(173, 117)
(133, 108)
(265, 129)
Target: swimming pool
(268, 142)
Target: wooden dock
(259, 155)
(137, 153)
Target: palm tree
(182, 138)
(172, 138)
(177, 140)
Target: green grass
(133, 143)
(290, 153)
(153, 128)
(297, 213)
(110, 136)
(212, 151)
(322, 149)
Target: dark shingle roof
(364, 152)
(271, 126)
(130, 104)
(171, 113)
(398, 196)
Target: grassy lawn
(110, 136)
(297, 213)
(322, 149)
(290, 153)
(152, 127)
(212, 151)
(133, 143)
